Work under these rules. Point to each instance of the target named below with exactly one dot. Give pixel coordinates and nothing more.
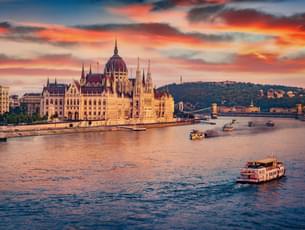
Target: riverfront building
(110, 96)
(31, 103)
(4, 99)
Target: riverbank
(7, 132)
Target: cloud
(246, 63)
(288, 30)
(169, 4)
(45, 65)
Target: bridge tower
(299, 108)
(214, 111)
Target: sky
(260, 41)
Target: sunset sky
(202, 40)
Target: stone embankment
(77, 127)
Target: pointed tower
(149, 83)
(138, 85)
(48, 82)
(90, 71)
(83, 76)
(143, 77)
(55, 81)
(138, 71)
(116, 51)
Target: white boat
(228, 127)
(261, 171)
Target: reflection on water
(154, 179)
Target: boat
(211, 133)
(196, 135)
(251, 124)
(261, 171)
(138, 129)
(270, 124)
(228, 127)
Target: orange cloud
(39, 72)
(248, 63)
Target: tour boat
(196, 135)
(261, 171)
(270, 124)
(228, 127)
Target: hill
(201, 94)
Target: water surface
(157, 179)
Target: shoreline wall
(78, 127)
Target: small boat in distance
(261, 171)
(138, 129)
(251, 124)
(270, 124)
(228, 127)
(196, 135)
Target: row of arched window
(94, 102)
(55, 101)
(72, 102)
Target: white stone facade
(110, 96)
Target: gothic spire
(138, 65)
(90, 71)
(143, 79)
(48, 81)
(116, 51)
(83, 71)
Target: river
(157, 179)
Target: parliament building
(110, 96)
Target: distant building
(180, 106)
(14, 101)
(270, 93)
(261, 93)
(111, 96)
(279, 93)
(282, 110)
(239, 109)
(252, 108)
(31, 103)
(290, 94)
(4, 99)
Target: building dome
(116, 63)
